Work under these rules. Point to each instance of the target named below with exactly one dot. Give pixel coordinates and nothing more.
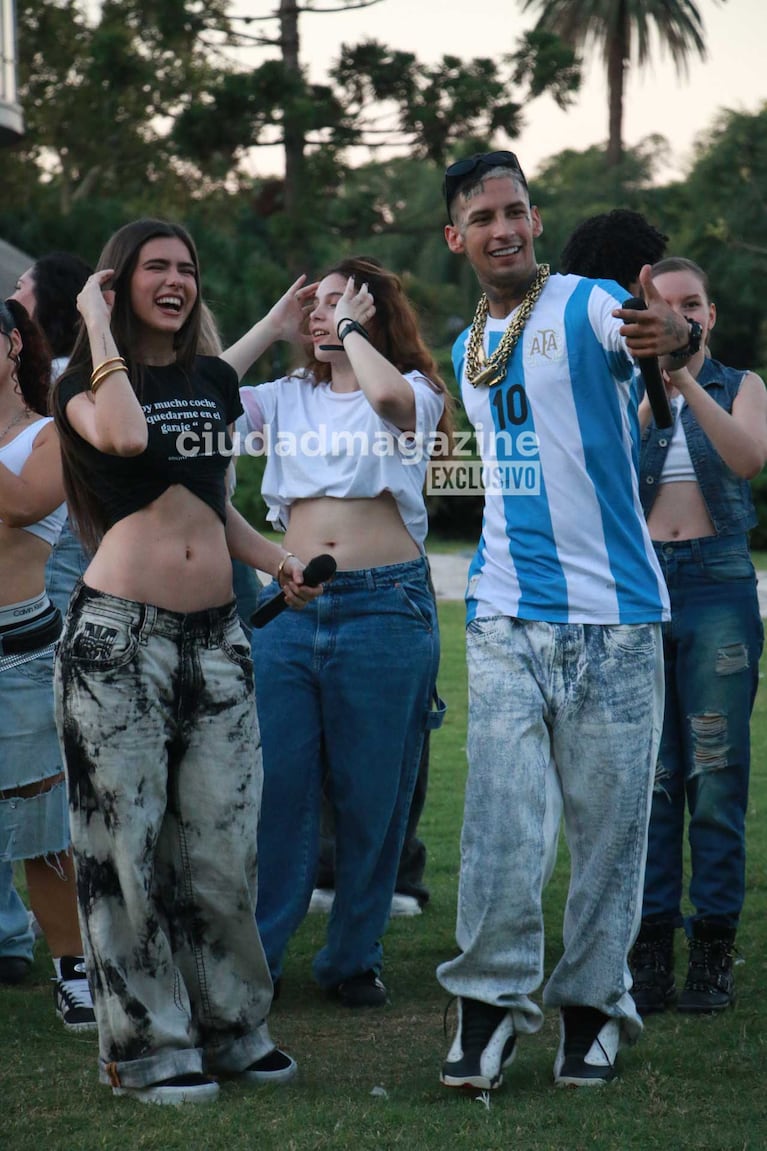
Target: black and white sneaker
(72, 995)
(588, 1044)
(277, 1067)
(194, 1088)
(485, 1042)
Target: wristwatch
(693, 346)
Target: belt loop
(146, 622)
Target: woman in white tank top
(36, 830)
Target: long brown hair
(393, 330)
(121, 253)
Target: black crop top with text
(189, 443)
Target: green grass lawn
(369, 1081)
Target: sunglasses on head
(457, 174)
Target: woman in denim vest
(696, 496)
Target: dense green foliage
(144, 110)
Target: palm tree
(622, 29)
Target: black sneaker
(364, 990)
(588, 1044)
(194, 1088)
(72, 995)
(652, 967)
(709, 986)
(13, 969)
(276, 1067)
(485, 1042)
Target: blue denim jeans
(65, 567)
(712, 647)
(584, 704)
(16, 938)
(157, 719)
(351, 676)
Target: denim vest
(727, 496)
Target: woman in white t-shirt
(348, 686)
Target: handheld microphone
(317, 570)
(653, 380)
(331, 347)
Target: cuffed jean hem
(624, 1011)
(151, 1068)
(527, 1015)
(240, 1053)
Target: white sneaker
(404, 905)
(322, 900)
(588, 1045)
(194, 1088)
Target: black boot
(652, 966)
(709, 985)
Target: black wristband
(343, 327)
(693, 344)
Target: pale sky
(734, 75)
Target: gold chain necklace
(481, 370)
(16, 420)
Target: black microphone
(317, 570)
(331, 347)
(653, 380)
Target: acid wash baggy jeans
(156, 717)
(561, 717)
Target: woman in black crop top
(154, 685)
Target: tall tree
(622, 29)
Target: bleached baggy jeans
(156, 715)
(581, 705)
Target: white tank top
(677, 466)
(13, 456)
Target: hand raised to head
(95, 302)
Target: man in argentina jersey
(564, 605)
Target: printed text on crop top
(188, 443)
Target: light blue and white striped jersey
(563, 534)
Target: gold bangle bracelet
(97, 381)
(112, 360)
(283, 561)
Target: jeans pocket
(488, 628)
(419, 602)
(100, 642)
(630, 638)
(729, 567)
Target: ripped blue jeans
(711, 647)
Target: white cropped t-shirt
(324, 443)
(13, 456)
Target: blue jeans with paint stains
(712, 647)
(559, 714)
(156, 716)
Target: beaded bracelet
(283, 561)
